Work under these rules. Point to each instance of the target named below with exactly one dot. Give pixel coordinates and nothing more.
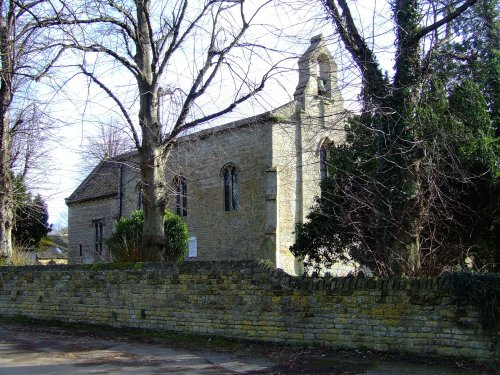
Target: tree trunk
(6, 199)
(6, 194)
(406, 242)
(152, 174)
(154, 202)
(151, 150)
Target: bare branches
(125, 13)
(198, 88)
(174, 33)
(217, 114)
(118, 103)
(373, 78)
(109, 141)
(29, 131)
(25, 54)
(443, 21)
(99, 48)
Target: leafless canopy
(26, 55)
(182, 57)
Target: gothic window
(181, 196)
(324, 158)
(98, 240)
(230, 175)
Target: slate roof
(102, 182)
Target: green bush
(125, 244)
(177, 237)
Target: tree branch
(196, 91)
(222, 112)
(363, 56)
(174, 44)
(99, 48)
(120, 9)
(450, 17)
(118, 103)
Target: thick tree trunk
(154, 202)
(152, 174)
(151, 150)
(401, 135)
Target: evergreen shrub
(125, 244)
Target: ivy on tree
(416, 184)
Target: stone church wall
(220, 234)
(81, 220)
(249, 300)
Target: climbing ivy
(480, 290)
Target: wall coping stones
(251, 267)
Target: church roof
(281, 114)
(103, 181)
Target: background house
(240, 187)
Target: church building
(240, 187)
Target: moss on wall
(254, 301)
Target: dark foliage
(125, 244)
(416, 187)
(30, 219)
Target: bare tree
(25, 55)
(146, 40)
(29, 132)
(110, 140)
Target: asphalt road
(27, 352)
(32, 349)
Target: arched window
(98, 238)
(230, 175)
(323, 75)
(180, 195)
(324, 159)
(139, 191)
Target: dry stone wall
(252, 301)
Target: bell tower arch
(317, 77)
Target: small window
(193, 247)
(98, 242)
(139, 200)
(81, 250)
(180, 196)
(230, 176)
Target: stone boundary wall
(249, 300)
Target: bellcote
(317, 74)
